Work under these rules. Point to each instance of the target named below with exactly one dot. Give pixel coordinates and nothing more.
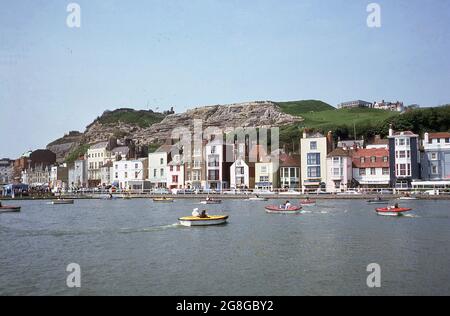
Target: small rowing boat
(258, 199)
(392, 211)
(62, 201)
(205, 221)
(378, 201)
(273, 209)
(9, 209)
(407, 198)
(211, 201)
(163, 200)
(308, 202)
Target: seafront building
(435, 160)
(371, 167)
(404, 158)
(339, 170)
(175, 172)
(78, 174)
(157, 165)
(6, 171)
(314, 149)
(130, 174)
(59, 178)
(217, 164)
(289, 171)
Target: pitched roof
(438, 135)
(99, 145)
(340, 152)
(289, 160)
(378, 153)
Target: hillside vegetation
(140, 118)
(366, 122)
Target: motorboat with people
(202, 219)
(63, 201)
(163, 200)
(9, 208)
(209, 200)
(393, 210)
(307, 202)
(286, 208)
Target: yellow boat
(163, 200)
(206, 221)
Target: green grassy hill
(299, 108)
(140, 118)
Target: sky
(149, 54)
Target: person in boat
(195, 212)
(287, 205)
(203, 214)
(395, 206)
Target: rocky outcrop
(65, 145)
(249, 114)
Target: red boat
(281, 210)
(308, 202)
(392, 211)
(9, 209)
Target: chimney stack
(391, 131)
(426, 137)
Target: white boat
(211, 201)
(407, 198)
(206, 221)
(62, 201)
(273, 209)
(257, 199)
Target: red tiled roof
(439, 135)
(340, 152)
(289, 160)
(378, 153)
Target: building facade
(59, 178)
(404, 158)
(289, 171)
(130, 174)
(339, 170)
(157, 164)
(436, 157)
(314, 149)
(78, 175)
(175, 172)
(6, 171)
(217, 166)
(371, 167)
(98, 155)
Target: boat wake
(148, 229)
(411, 215)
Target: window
(313, 159)
(373, 159)
(407, 141)
(117, 175)
(373, 171)
(188, 176)
(136, 166)
(116, 167)
(240, 170)
(293, 172)
(385, 171)
(136, 175)
(402, 169)
(161, 161)
(213, 149)
(363, 159)
(171, 168)
(126, 166)
(174, 179)
(401, 142)
(336, 172)
(447, 140)
(313, 145)
(402, 154)
(336, 160)
(178, 168)
(434, 169)
(126, 175)
(264, 179)
(433, 156)
(154, 173)
(313, 172)
(162, 172)
(385, 159)
(362, 171)
(408, 154)
(264, 169)
(213, 175)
